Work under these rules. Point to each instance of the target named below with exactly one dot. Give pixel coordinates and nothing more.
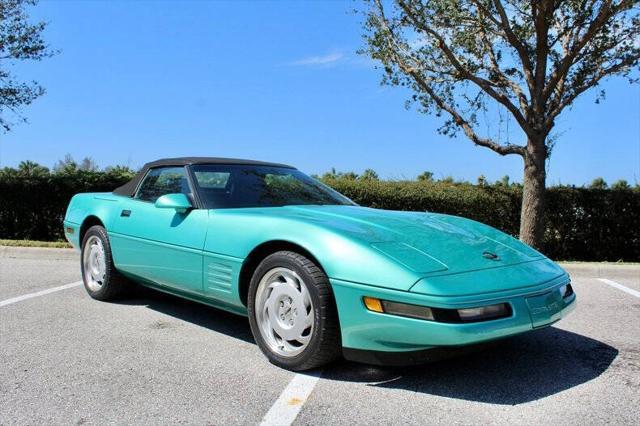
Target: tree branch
(605, 12)
(479, 81)
(495, 66)
(460, 121)
(593, 81)
(517, 44)
(540, 11)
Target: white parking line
(286, 408)
(621, 287)
(38, 293)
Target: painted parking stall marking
(620, 287)
(38, 293)
(286, 408)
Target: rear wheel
(292, 312)
(101, 279)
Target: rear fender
(103, 206)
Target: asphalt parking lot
(156, 359)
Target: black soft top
(129, 188)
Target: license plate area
(545, 308)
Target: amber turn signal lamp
(373, 304)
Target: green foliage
(30, 168)
(33, 200)
(369, 174)
(425, 177)
(598, 183)
(120, 172)
(593, 224)
(69, 165)
(334, 174)
(20, 40)
(348, 175)
(31, 243)
(620, 185)
(66, 165)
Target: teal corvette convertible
(318, 276)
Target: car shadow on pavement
(196, 313)
(512, 371)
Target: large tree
(20, 40)
(530, 58)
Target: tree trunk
(532, 224)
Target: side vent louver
(219, 275)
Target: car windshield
(232, 186)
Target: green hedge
(582, 223)
(33, 207)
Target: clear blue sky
(278, 81)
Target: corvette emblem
(490, 256)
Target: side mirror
(179, 202)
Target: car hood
(425, 243)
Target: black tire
(325, 344)
(114, 285)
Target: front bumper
(364, 330)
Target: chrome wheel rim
(93, 259)
(284, 312)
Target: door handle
(125, 213)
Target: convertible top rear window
(233, 186)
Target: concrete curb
(597, 270)
(38, 253)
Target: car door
(161, 245)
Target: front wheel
(101, 279)
(292, 312)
